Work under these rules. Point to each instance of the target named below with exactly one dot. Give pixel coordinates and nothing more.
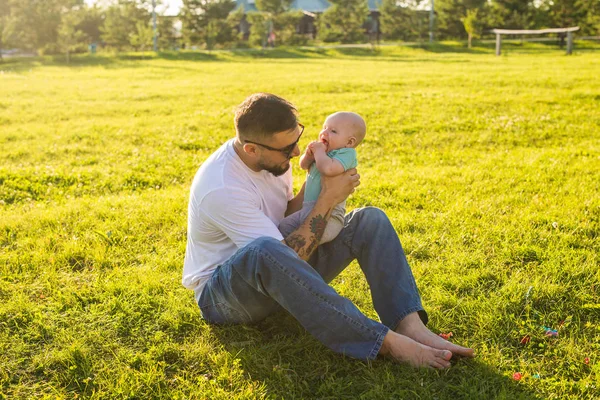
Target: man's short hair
(262, 115)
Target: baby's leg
(293, 221)
(335, 223)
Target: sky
(166, 7)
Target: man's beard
(277, 170)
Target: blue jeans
(266, 276)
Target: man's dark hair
(262, 115)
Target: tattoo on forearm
(296, 242)
(317, 226)
(314, 242)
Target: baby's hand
(307, 158)
(317, 146)
(308, 152)
(311, 147)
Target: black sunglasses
(287, 150)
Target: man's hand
(337, 188)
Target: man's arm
(295, 204)
(334, 190)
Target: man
(242, 269)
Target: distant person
(271, 39)
(242, 269)
(333, 154)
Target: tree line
(472, 18)
(65, 26)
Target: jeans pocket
(221, 314)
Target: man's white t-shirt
(230, 206)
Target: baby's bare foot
(404, 349)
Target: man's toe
(444, 354)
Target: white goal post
(568, 31)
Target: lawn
(487, 166)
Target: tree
(142, 36)
(217, 30)
(167, 37)
(471, 24)
(4, 14)
(591, 25)
(513, 14)
(400, 21)
(273, 6)
(206, 21)
(34, 24)
(450, 12)
(235, 19)
(91, 21)
(566, 13)
(258, 28)
(343, 21)
(121, 23)
(285, 24)
(69, 36)
(190, 22)
(279, 19)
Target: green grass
(487, 166)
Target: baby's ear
(351, 142)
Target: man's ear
(351, 142)
(250, 149)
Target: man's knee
(371, 216)
(371, 222)
(265, 242)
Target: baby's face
(337, 132)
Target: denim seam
(350, 238)
(299, 283)
(222, 306)
(378, 343)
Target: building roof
(374, 5)
(248, 5)
(313, 6)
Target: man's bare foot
(404, 349)
(413, 327)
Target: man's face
(276, 170)
(277, 162)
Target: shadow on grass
(290, 363)
(450, 48)
(365, 52)
(549, 47)
(138, 60)
(24, 64)
(109, 61)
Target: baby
(332, 154)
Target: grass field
(487, 166)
